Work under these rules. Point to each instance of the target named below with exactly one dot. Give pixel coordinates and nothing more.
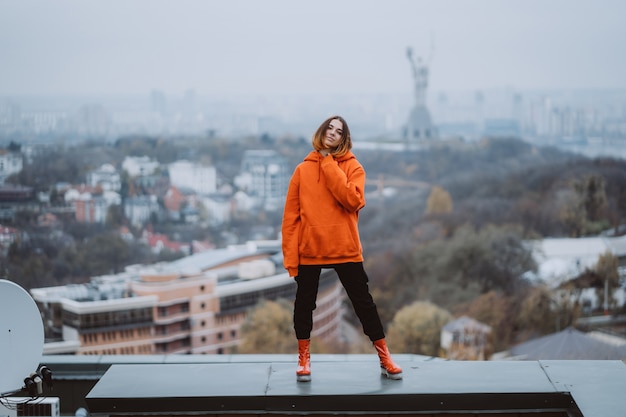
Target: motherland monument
(419, 126)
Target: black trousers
(354, 280)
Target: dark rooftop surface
(260, 385)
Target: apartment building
(194, 305)
(264, 176)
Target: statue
(420, 77)
(419, 126)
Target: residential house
(90, 209)
(106, 177)
(158, 242)
(139, 209)
(466, 339)
(173, 200)
(181, 204)
(91, 204)
(10, 163)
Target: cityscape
(587, 121)
(144, 171)
(142, 192)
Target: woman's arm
(291, 226)
(346, 187)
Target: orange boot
(304, 361)
(387, 366)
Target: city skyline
(281, 47)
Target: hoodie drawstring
(319, 169)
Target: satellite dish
(21, 336)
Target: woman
(320, 230)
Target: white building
(264, 176)
(10, 163)
(201, 179)
(218, 208)
(139, 209)
(139, 165)
(561, 260)
(106, 177)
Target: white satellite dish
(21, 336)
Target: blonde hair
(346, 141)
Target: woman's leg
(308, 281)
(354, 280)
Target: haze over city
(284, 47)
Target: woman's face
(334, 132)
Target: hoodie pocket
(329, 241)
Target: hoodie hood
(315, 156)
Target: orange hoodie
(320, 220)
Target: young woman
(320, 230)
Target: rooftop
(265, 385)
(351, 384)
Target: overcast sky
(289, 46)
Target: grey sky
(288, 46)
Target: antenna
(21, 336)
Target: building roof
(214, 258)
(568, 344)
(465, 323)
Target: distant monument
(419, 126)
